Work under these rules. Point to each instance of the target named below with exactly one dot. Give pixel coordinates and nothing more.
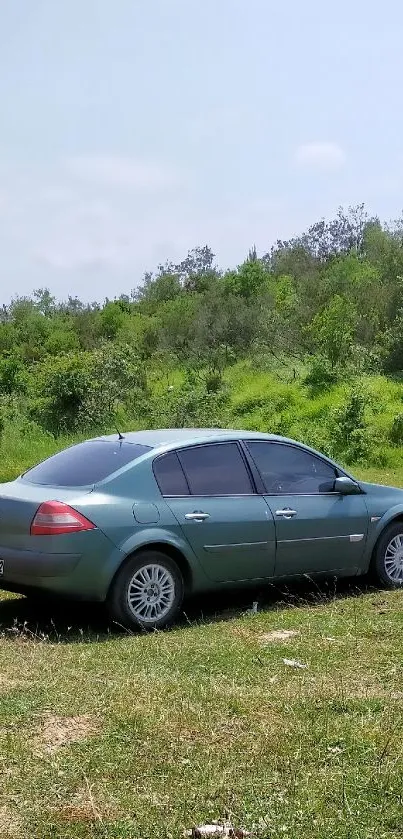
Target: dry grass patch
(279, 635)
(86, 806)
(57, 731)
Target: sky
(134, 130)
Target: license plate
(1, 567)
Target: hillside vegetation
(306, 341)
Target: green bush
(191, 405)
(13, 379)
(321, 376)
(86, 390)
(62, 390)
(396, 432)
(349, 430)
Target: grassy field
(109, 735)
(112, 736)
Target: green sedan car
(143, 519)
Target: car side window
(216, 469)
(289, 470)
(169, 475)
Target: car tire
(387, 560)
(147, 592)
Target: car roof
(166, 437)
(163, 439)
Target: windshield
(85, 464)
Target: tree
(111, 320)
(223, 326)
(248, 280)
(87, 325)
(44, 301)
(118, 379)
(324, 240)
(199, 261)
(332, 330)
(177, 323)
(286, 296)
(156, 290)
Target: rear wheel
(147, 592)
(387, 562)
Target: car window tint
(216, 469)
(169, 475)
(291, 470)
(85, 464)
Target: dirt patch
(62, 731)
(76, 813)
(10, 824)
(85, 806)
(278, 635)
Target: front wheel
(387, 561)
(147, 592)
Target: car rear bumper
(83, 575)
(32, 564)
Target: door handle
(197, 516)
(287, 513)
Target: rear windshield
(85, 464)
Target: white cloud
(322, 156)
(122, 172)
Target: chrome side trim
(352, 537)
(236, 545)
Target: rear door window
(85, 464)
(216, 469)
(169, 475)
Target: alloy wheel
(394, 559)
(151, 593)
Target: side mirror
(346, 486)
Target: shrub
(321, 375)
(190, 405)
(63, 387)
(12, 375)
(349, 430)
(396, 432)
(332, 329)
(78, 391)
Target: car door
(317, 529)
(210, 491)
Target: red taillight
(54, 517)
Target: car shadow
(67, 622)
(222, 606)
(53, 620)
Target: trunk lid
(19, 502)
